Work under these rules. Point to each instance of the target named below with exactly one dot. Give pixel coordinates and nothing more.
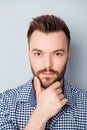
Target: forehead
(48, 41)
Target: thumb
(37, 86)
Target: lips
(47, 73)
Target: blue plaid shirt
(16, 106)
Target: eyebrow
(62, 50)
(35, 49)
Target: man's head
(49, 42)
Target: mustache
(47, 70)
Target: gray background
(15, 16)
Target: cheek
(60, 64)
(36, 65)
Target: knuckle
(62, 95)
(57, 84)
(59, 91)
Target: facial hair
(59, 76)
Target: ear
(69, 53)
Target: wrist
(36, 121)
(41, 115)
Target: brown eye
(37, 53)
(59, 54)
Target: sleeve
(6, 123)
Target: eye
(37, 53)
(59, 54)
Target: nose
(47, 61)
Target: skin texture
(48, 55)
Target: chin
(46, 85)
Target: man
(46, 102)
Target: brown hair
(47, 24)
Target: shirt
(17, 105)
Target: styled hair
(48, 24)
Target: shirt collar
(32, 97)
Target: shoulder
(79, 101)
(8, 104)
(10, 97)
(77, 97)
(77, 93)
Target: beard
(47, 81)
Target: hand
(49, 101)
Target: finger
(63, 102)
(61, 97)
(58, 91)
(55, 85)
(37, 86)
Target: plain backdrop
(15, 16)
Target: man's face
(48, 54)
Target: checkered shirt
(16, 106)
